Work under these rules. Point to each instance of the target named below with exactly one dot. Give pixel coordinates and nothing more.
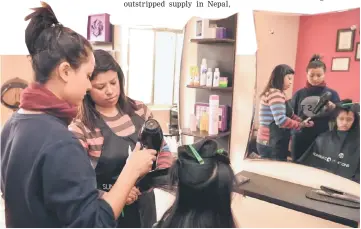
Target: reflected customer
(338, 151)
(276, 116)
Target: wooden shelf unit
(211, 88)
(219, 53)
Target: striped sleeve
(79, 133)
(92, 141)
(295, 117)
(165, 158)
(277, 102)
(78, 129)
(143, 111)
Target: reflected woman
(276, 116)
(338, 150)
(305, 100)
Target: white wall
(73, 14)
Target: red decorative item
(99, 28)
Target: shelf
(211, 88)
(171, 134)
(213, 40)
(100, 43)
(204, 134)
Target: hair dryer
(324, 99)
(151, 137)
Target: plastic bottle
(203, 72)
(204, 122)
(207, 121)
(209, 78)
(191, 76)
(216, 76)
(198, 115)
(213, 114)
(193, 123)
(196, 77)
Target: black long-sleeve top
(46, 177)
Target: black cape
(335, 152)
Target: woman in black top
(46, 176)
(304, 101)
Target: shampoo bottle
(204, 122)
(191, 78)
(209, 78)
(216, 78)
(196, 77)
(203, 72)
(213, 115)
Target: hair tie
(56, 24)
(223, 158)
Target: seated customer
(205, 179)
(338, 151)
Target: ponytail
(41, 19)
(50, 43)
(316, 62)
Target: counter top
(292, 196)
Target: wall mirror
(332, 144)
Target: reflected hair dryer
(151, 137)
(324, 99)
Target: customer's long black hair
(203, 198)
(105, 62)
(347, 106)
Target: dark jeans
(266, 152)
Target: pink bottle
(213, 114)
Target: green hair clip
(196, 154)
(347, 104)
(220, 151)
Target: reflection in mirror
(209, 67)
(305, 111)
